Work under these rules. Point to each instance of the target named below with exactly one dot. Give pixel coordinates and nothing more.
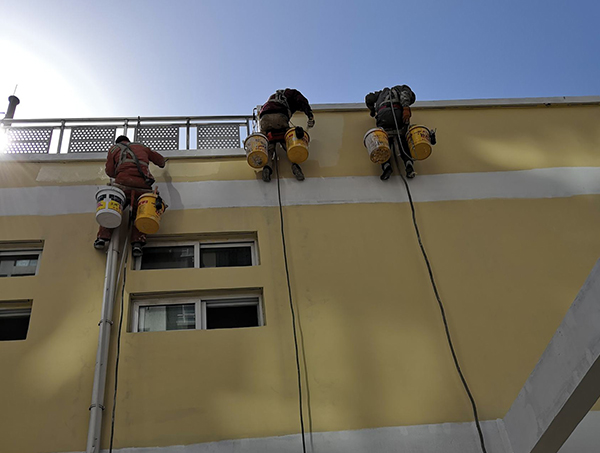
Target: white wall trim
(439, 438)
(472, 103)
(539, 183)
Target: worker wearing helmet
(274, 120)
(128, 163)
(391, 109)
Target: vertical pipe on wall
(108, 301)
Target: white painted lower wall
(538, 183)
(439, 438)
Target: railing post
(187, 134)
(60, 136)
(125, 126)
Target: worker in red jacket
(274, 120)
(128, 164)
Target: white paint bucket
(109, 206)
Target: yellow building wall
(371, 333)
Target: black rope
(114, 407)
(287, 274)
(443, 312)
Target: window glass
(225, 256)
(14, 324)
(18, 265)
(175, 257)
(226, 317)
(155, 318)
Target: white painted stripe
(538, 183)
(439, 438)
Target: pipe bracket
(96, 405)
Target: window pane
(168, 257)
(223, 317)
(18, 265)
(158, 318)
(226, 256)
(14, 327)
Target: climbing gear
(297, 171)
(406, 114)
(127, 155)
(387, 172)
(256, 146)
(410, 170)
(149, 212)
(280, 98)
(378, 146)
(296, 141)
(311, 122)
(266, 173)
(99, 244)
(419, 142)
(136, 249)
(110, 202)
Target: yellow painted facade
(374, 350)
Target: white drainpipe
(108, 302)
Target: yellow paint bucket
(109, 206)
(419, 142)
(297, 148)
(378, 146)
(148, 217)
(256, 146)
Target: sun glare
(42, 88)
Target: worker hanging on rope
(128, 164)
(391, 109)
(274, 120)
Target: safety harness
(281, 99)
(127, 155)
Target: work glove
(311, 122)
(406, 113)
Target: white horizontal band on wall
(443, 437)
(538, 183)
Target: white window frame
(206, 244)
(200, 303)
(18, 252)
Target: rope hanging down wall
(289, 286)
(435, 291)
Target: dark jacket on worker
(125, 171)
(379, 104)
(288, 102)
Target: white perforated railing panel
(218, 136)
(160, 138)
(28, 139)
(92, 139)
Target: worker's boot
(266, 173)
(99, 244)
(297, 171)
(387, 172)
(410, 170)
(136, 249)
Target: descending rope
(437, 295)
(287, 274)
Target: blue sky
(184, 57)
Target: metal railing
(84, 135)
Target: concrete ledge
(473, 103)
